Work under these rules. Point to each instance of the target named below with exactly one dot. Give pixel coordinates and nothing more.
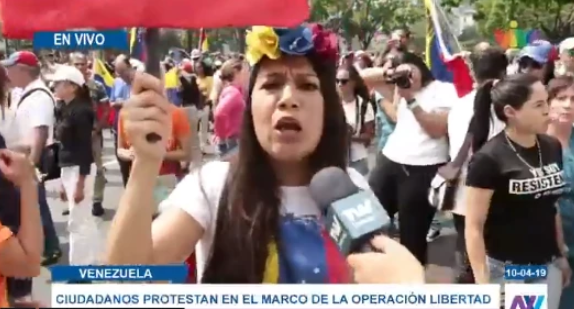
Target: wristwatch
(412, 104)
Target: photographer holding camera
(416, 148)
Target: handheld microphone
(352, 216)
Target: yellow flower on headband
(262, 41)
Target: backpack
(48, 165)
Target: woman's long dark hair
(83, 93)
(249, 208)
(360, 89)
(489, 64)
(410, 58)
(513, 90)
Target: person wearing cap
(565, 65)
(535, 59)
(195, 55)
(100, 103)
(75, 119)
(35, 125)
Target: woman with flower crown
(253, 220)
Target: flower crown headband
(273, 42)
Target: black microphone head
(331, 184)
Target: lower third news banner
(126, 287)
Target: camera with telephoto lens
(400, 78)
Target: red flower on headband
(325, 42)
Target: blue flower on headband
(295, 41)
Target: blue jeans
(567, 299)
(227, 145)
(436, 224)
(51, 241)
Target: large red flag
(21, 18)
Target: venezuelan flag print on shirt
(306, 254)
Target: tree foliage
(553, 17)
(364, 19)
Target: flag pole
(152, 65)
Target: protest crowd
(241, 135)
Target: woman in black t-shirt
(513, 183)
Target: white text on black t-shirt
(546, 180)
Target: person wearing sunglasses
(535, 59)
(360, 115)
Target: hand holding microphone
(352, 216)
(394, 264)
(355, 221)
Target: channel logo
(528, 302)
(525, 296)
(514, 37)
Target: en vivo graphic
(527, 302)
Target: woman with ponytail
(74, 124)
(513, 183)
(472, 115)
(561, 99)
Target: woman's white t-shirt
(358, 150)
(409, 143)
(459, 119)
(198, 194)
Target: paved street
(440, 250)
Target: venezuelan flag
(443, 51)
(102, 75)
(171, 84)
(137, 44)
(306, 255)
(203, 41)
